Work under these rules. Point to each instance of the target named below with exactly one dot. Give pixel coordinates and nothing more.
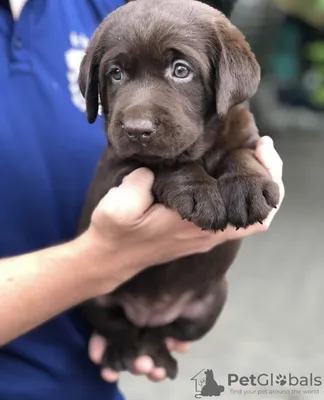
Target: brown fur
(197, 138)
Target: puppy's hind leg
(196, 320)
(127, 342)
(124, 349)
(111, 323)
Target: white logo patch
(73, 57)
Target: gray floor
(273, 321)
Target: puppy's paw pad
(201, 204)
(271, 193)
(121, 356)
(248, 199)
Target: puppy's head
(165, 71)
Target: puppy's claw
(260, 222)
(237, 228)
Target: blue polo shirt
(48, 154)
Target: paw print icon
(281, 379)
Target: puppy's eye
(116, 74)
(180, 70)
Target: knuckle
(265, 226)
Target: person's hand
(128, 212)
(143, 365)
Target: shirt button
(18, 43)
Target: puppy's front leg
(192, 193)
(246, 188)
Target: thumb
(126, 204)
(269, 158)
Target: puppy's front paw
(198, 202)
(248, 199)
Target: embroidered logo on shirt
(73, 57)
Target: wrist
(104, 263)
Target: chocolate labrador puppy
(172, 76)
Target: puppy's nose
(138, 130)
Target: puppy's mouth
(155, 153)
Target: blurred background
(274, 318)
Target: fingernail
(109, 375)
(267, 140)
(143, 364)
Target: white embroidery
(73, 58)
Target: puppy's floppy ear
(89, 75)
(237, 70)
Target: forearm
(38, 286)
